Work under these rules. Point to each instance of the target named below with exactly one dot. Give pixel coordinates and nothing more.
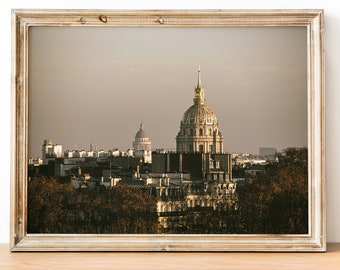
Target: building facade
(51, 151)
(142, 145)
(199, 130)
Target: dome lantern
(199, 90)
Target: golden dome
(199, 114)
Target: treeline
(204, 220)
(55, 207)
(276, 202)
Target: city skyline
(96, 85)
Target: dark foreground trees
(277, 200)
(59, 208)
(204, 220)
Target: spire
(199, 90)
(199, 76)
(141, 126)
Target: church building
(199, 156)
(199, 132)
(142, 145)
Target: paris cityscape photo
(176, 130)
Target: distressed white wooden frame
(314, 241)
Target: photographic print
(176, 134)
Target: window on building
(217, 164)
(201, 148)
(201, 131)
(211, 164)
(210, 148)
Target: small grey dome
(141, 133)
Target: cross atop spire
(199, 76)
(199, 90)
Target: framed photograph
(168, 130)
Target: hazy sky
(95, 85)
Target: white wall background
(332, 45)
